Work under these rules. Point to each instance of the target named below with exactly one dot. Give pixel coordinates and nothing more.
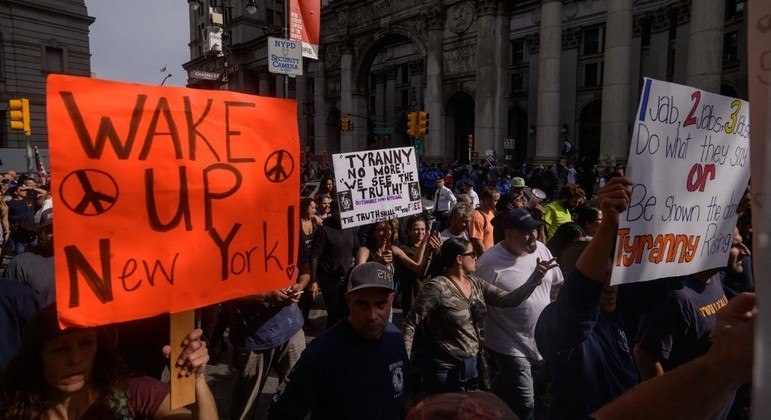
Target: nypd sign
(285, 56)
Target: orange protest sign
(168, 199)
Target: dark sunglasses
(471, 254)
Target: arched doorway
(518, 132)
(589, 126)
(333, 131)
(459, 124)
(390, 76)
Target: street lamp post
(251, 8)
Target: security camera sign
(286, 57)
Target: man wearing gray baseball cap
(356, 369)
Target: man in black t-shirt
(680, 328)
(356, 369)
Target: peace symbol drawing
(279, 166)
(89, 192)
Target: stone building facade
(532, 72)
(38, 37)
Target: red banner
(304, 24)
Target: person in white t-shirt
(468, 189)
(571, 173)
(444, 201)
(509, 332)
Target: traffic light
(346, 124)
(20, 115)
(470, 141)
(422, 123)
(412, 124)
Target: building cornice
(26, 4)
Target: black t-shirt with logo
(678, 330)
(344, 376)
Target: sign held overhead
(170, 184)
(376, 185)
(689, 159)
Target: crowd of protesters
(512, 293)
(505, 301)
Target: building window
(593, 41)
(227, 16)
(404, 98)
(645, 36)
(731, 46)
(274, 12)
(54, 60)
(404, 73)
(517, 82)
(371, 105)
(671, 62)
(734, 9)
(592, 74)
(518, 52)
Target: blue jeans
(23, 242)
(512, 381)
(444, 372)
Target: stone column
(264, 83)
(547, 146)
(485, 110)
(359, 121)
(390, 97)
(705, 45)
(434, 141)
(503, 62)
(380, 98)
(614, 134)
(533, 43)
(320, 108)
(346, 95)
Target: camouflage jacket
(450, 317)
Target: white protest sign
(376, 185)
(286, 57)
(690, 161)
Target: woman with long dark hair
(419, 246)
(309, 223)
(327, 187)
(76, 373)
(450, 307)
